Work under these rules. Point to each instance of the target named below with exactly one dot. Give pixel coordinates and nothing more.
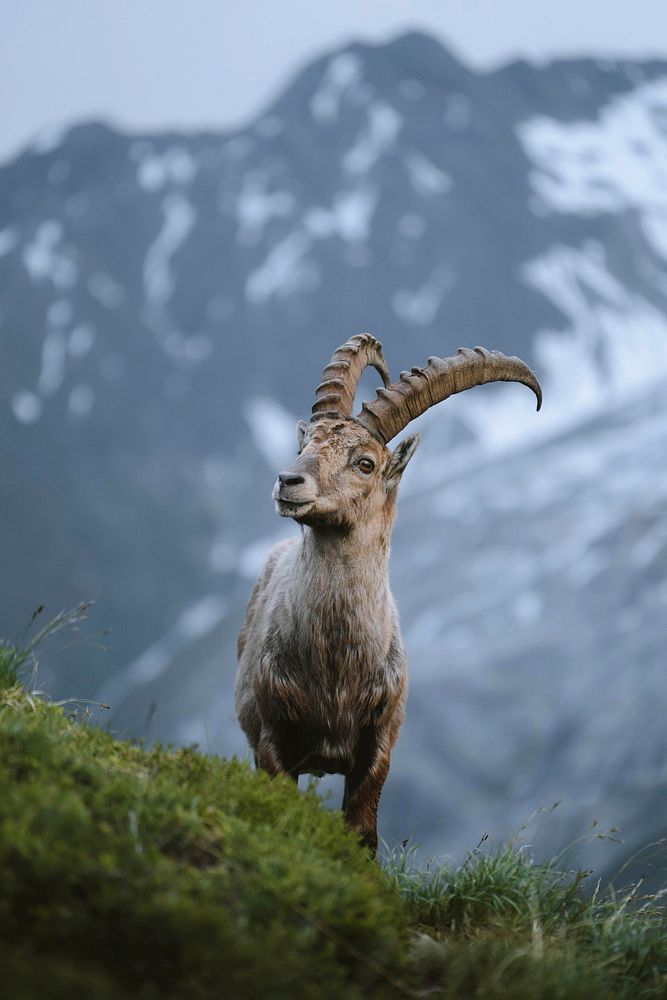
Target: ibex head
(345, 473)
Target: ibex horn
(334, 396)
(399, 403)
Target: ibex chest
(339, 673)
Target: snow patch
(616, 162)
(256, 205)
(174, 166)
(421, 306)
(353, 211)
(425, 177)
(283, 271)
(342, 72)
(618, 341)
(179, 218)
(379, 135)
(617, 338)
(286, 270)
(45, 258)
(27, 407)
(349, 217)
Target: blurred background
(198, 203)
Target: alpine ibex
(322, 676)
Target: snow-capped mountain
(166, 306)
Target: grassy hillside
(131, 872)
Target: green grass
(151, 872)
(502, 926)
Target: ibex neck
(359, 556)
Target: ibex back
(322, 676)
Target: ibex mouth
(291, 508)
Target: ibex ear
(301, 429)
(399, 459)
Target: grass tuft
(19, 659)
(502, 925)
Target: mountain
(167, 305)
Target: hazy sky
(148, 64)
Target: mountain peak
(422, 49)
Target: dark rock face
(166, 306)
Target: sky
(192, 64)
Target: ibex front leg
(363, 787)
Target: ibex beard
(322, 678)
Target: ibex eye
(366, 465)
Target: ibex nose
(290, 479)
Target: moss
(160, 872)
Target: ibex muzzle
(295, 489)
(322, 674)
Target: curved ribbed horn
(334, 396)
(417, 390)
